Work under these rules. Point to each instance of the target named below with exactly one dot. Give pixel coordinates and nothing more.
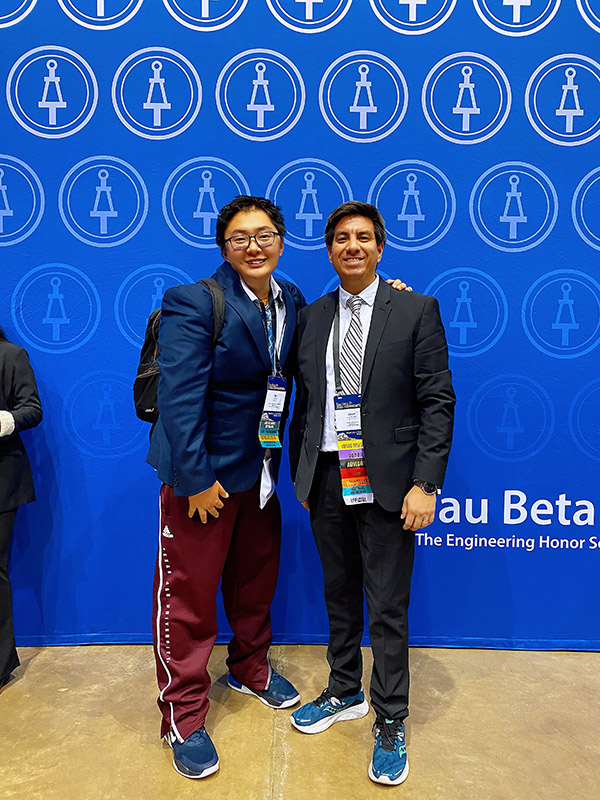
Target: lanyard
(336, 350)
(270, 320)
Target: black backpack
(145, 386)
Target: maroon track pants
(240, 549)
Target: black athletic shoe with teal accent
(327, 709)
(279, 693)
(195, 757)
(389, 764)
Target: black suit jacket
(19, 395)
(407, 395)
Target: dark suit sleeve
(185, 362)
(24, 400)
(297, 424)
(435, 396)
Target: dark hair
(354, 208)
(2, 335)
(247, 202)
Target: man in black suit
(369, 443)
(19, 409)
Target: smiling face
(255, 264)
(355, 253)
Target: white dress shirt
(329, 440)
(267, 484)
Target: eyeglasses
(241, 241)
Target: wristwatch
(428, 488)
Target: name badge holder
(356, 488)
(270, 419)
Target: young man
(369, 443)
(220, 516)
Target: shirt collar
(276, 291)
(367, 295)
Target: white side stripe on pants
(158, 621)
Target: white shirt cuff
(7, 423)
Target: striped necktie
(351, 353)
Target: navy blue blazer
(210, 401)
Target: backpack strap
(218, 304)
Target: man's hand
(399, 285)
(305, 505)
(207, 501)
(418, 509)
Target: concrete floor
(81, 722)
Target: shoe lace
(389, 733)
(323, 698)
(196, 737)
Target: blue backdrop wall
(472, 124)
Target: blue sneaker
(196, 757)
(279, 693)
(326, 709)
(389, 764)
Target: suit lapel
(291, 320)
(381, 310)
(236, 297)
(326, 311)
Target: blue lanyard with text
(270, 420)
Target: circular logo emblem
(21, 200)
(193, 195)
(417, 201)
(561, 313)
(413, 16)
(474, 310)
(466, 98)
(260, 95)
(98, 416)
(56, 308)
(516, 17)
(307, 188)
(510, 418)
(156, 93)
(584, 208)
(103, 201)
(513, 206)
(583, 419)
(590, 11)
(309, 16)
(363, 96)
(52, 92)
(205, 15)
(140, 294)
(562, 99)
(101, 17)
(17, 10)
